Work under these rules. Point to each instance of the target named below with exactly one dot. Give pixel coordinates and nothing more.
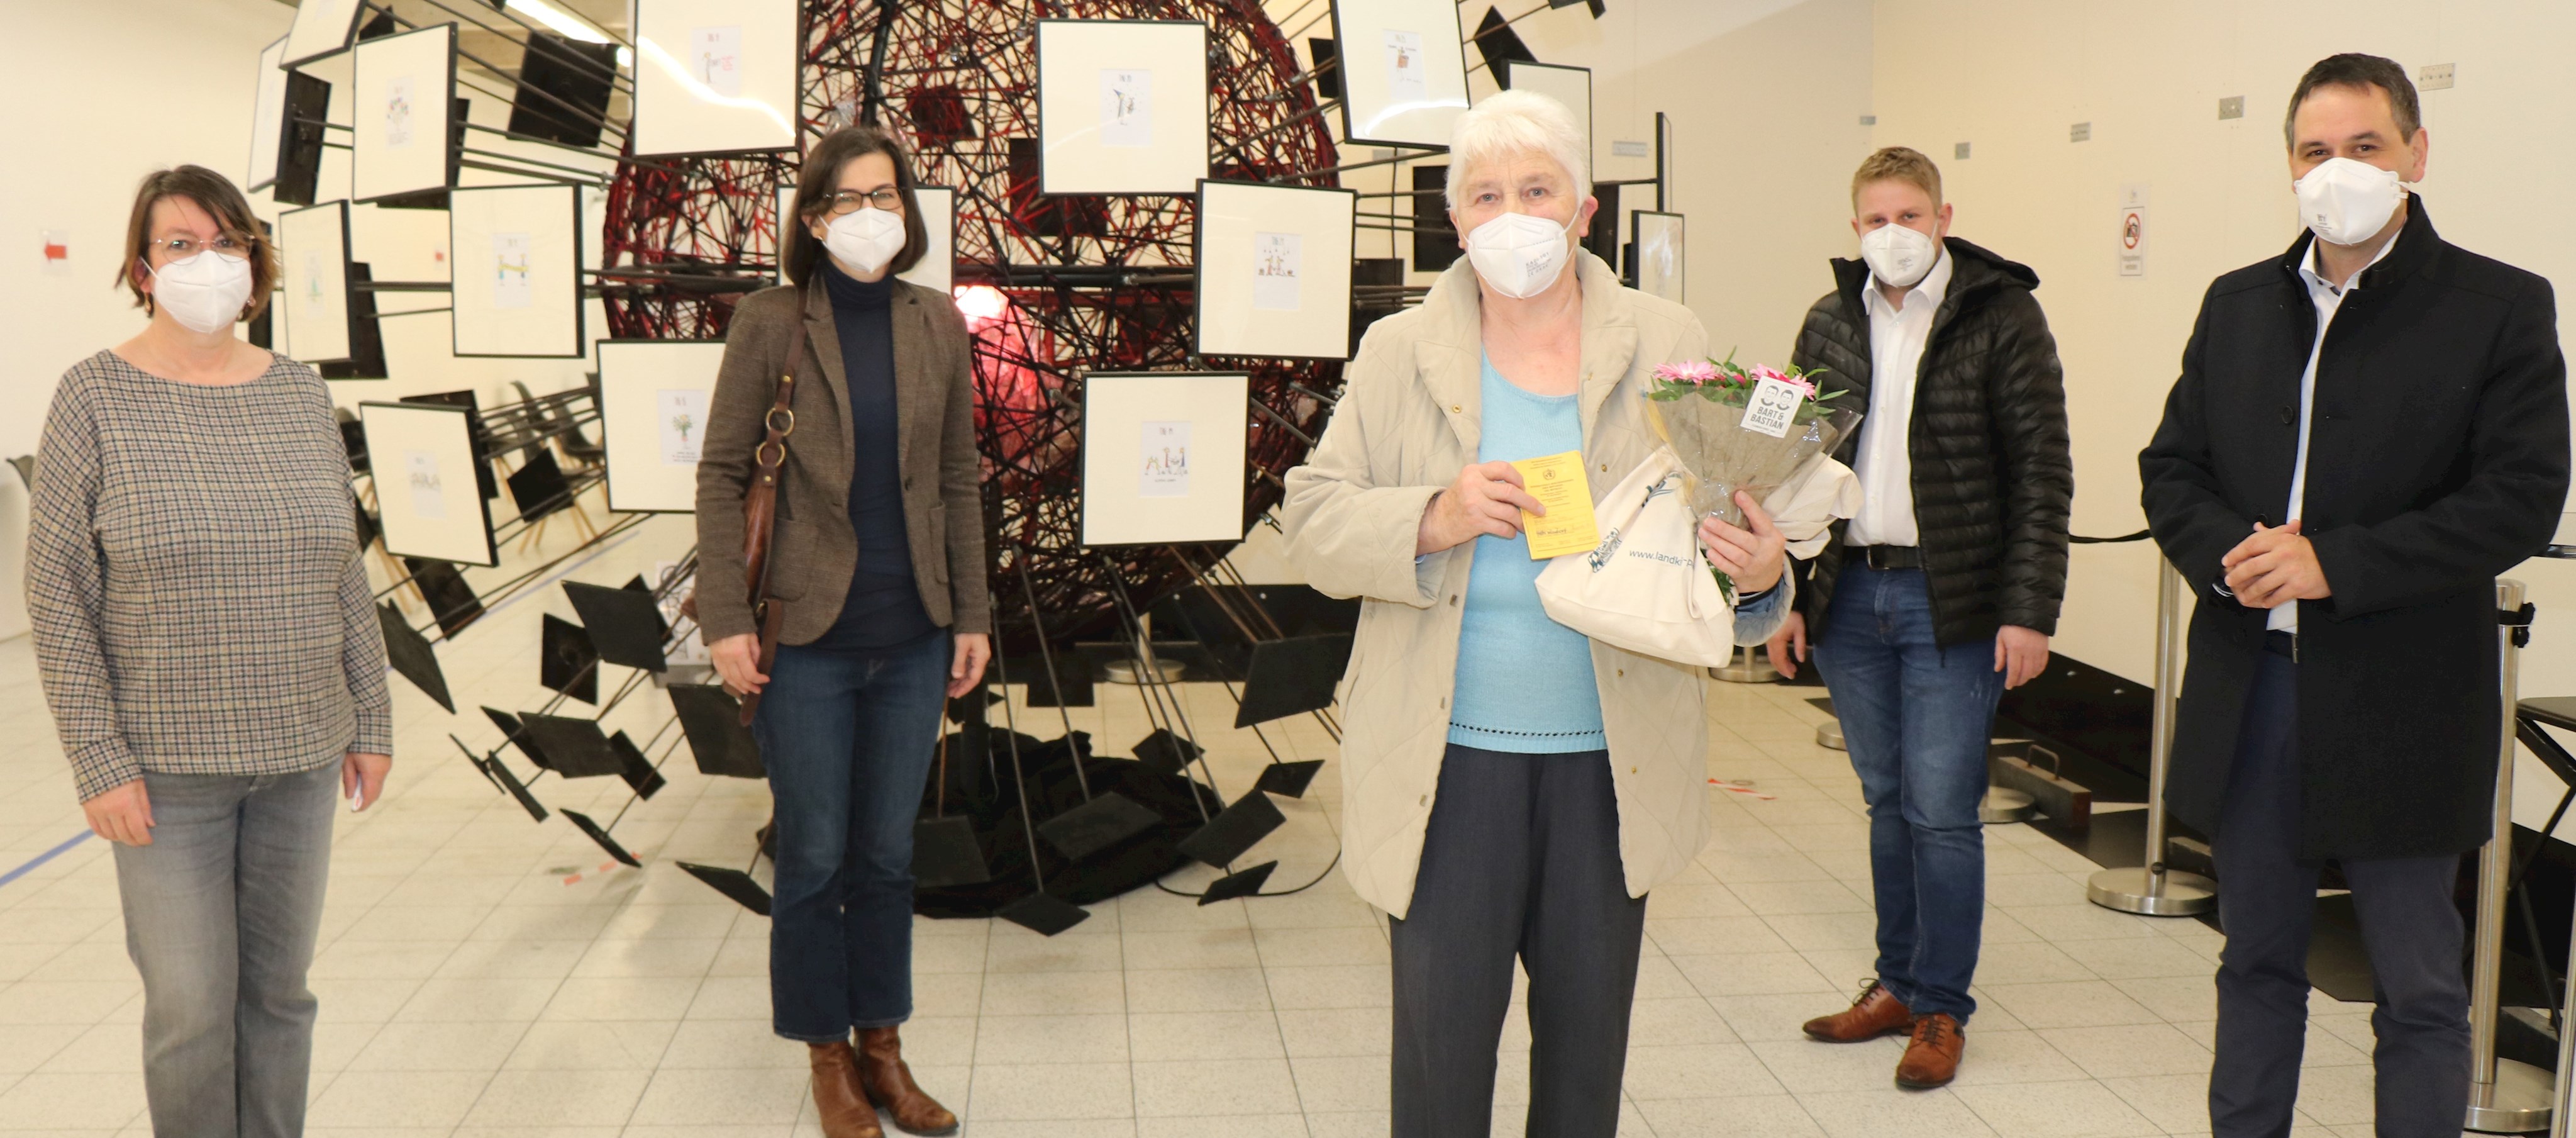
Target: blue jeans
(847, 737)
(1916, 717)
(221, 914)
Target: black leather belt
(2283, 644)
(1891, 556)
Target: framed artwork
(514, 256)
(715, 76)
(1122, 106)
(267, 118)
(1274, 270)
(313, 256)
(403, 88)
(322, 27)
(422, 455)
(1404, 71)
(1162, 456)
(653, 401)
(1656, 240)
(1571, 86)
(938, 266)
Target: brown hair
(215, 194)
(1898, 164)
(2353, 69)
(817, 181)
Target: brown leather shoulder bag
(760, 508)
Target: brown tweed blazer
(815, 549)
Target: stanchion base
(1126, 672)
(2520, 1104)
(1747, 668)
(1829, 734)
(2003, 804)
(2184, 894)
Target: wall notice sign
(1275, 259)
(1127, 107)
(1406, 82)
(398, 112)
(510, 287)
(683, 418)
(428, 496)
(1164, 460)
(2133, 230)
(1772, 408)
(58, 252)
(715, 58)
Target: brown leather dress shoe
(1875, 1012)
(838, 1101)
(1932, 1057)
(889, 1084)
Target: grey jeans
(1521, 860)
(221, 914)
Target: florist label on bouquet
(1556, 480)
(1772, 407)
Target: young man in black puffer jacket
(1943, 590)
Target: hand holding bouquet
(1738, 428)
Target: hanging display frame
(538, 316)
(637, 383)
(321, 28)
(1122, 107)
(733, 84)
(313, 248)
(1131, 491)
(1380, 105)
(1655, 239)
(1272, 270)
(401, 136)
(267, 117)
(428, 500)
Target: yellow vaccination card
(1556, 480)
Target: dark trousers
(847, 737)
(1521, 860)
(2266, 898)
(1915, 718)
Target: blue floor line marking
(42, 858)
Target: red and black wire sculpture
(1053, 288)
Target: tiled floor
(469, 987)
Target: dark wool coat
(2438, 460)
(1986, 445)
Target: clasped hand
(2275, 566)
(1489, 497)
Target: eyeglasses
(182, 248)
(888, 199)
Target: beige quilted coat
(1406, 424)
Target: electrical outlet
(1959, 151)
(2080, 132)
(1622, 148)
(2434, 77)
(2232, 107)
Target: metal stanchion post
(2505, 1097)
(2153, 890)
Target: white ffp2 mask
(1518, 254)
(1898, 255)
(866, 239)
(2346, 202)
(204, 293)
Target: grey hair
(1517, 122)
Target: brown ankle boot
(889, 1084)
(1875, 1012)
(1932, 1057)
(842, 1106)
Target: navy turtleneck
(884, 605)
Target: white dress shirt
(1885, 466)
(2329, 300)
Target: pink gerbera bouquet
(1743, 428)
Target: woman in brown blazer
(878, 567)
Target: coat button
(1426, 800)
(1453, 600)
(1444, 701)
(1605, 468)
(1456, 409)
(1620, 672)
(2288, 416)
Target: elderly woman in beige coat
(1511, 787)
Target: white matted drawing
(402, 89)
(423, 459)
(1404, 70)
(1122, 106)
(1571, 86)
(1655, 240)
(1162, 456)
(653, 397)
(313, 259)
(938, 265)
(322, 27)
(715, 76)
(514, 256)
(267, 118)
(1274, 271)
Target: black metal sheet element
(574, 747)
(601, 836)
(1292, 676)
(1108, 819)
(538, 487)
(566, 662)
(1245, 884)
(712, 719)
(451, 601)
(634, 767)
(409, 653)
(1238, 829)
(1289, 780)
(1165, 753)
(1042, 914)
(733, 883)
(500, 772)
(624, 624)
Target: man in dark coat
(1943, 590)
(2367, 430)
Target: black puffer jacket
(1987, 443)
